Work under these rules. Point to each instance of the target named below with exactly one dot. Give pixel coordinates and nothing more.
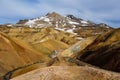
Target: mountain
(58, 21)
(56, 47)
(67, 23)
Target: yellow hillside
(15, 53)
(50, 45)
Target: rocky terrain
(56, 47)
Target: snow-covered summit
(67, 23)
(57, 21)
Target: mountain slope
(44, 40)
(15, 53)
(104, 51)
(68, 73)
(49, 46)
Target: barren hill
(15, 53)
(104, 51)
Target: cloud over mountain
(100, 11)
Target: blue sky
(99, 11)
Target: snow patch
(70, 30)
(71, 22)
(56, 24)
(40, 25)
(45, 19)
(9, 25)
(61, 29)
(84, 22)
(80, 38)
(107, 27)
(73, 26)
(30, 23)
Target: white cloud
(14, 8)
(95, 10)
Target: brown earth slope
(104, 51)
(101, 48)
(42, 39)
(68, 73)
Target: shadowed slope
(104, 51)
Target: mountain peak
(53, 14)
(68, 23)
